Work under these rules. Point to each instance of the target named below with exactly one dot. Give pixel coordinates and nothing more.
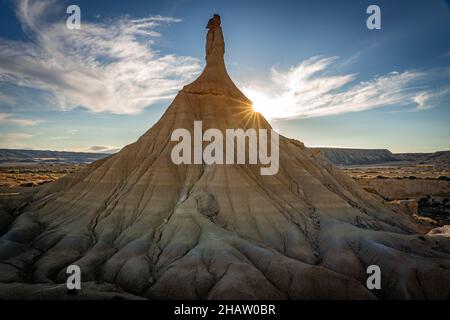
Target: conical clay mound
(141, 225)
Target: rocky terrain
(428, 186)
(419, 180)
(440, 157)
(140, 226)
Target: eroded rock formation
(145, 226)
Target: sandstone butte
(141, 227)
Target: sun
(261, 104)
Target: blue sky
(312, 67)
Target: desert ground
(426, 185)
(33, 174)
(19, 181)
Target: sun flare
(262, 104)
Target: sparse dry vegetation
(31, 175)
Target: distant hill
(43, 156)
(344, 156)
(437, 157)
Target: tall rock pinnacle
(139, 225)
(214, 78)
(215, 44)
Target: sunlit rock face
(138, 225)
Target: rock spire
(214, 78)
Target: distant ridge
(357, 156)
(45, 156)
(338, 156)
(349, 156)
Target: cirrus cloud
(104, 67)
(307, 90)
(14, 140)
(10, 118)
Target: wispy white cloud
(103, 149)
(104, 67)
(428, 99)
(14, 140)
(58, 138)
(15, 136)
(422, 100)
(95, 149)
(307, 90)
(7, 100)
(10, 118)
